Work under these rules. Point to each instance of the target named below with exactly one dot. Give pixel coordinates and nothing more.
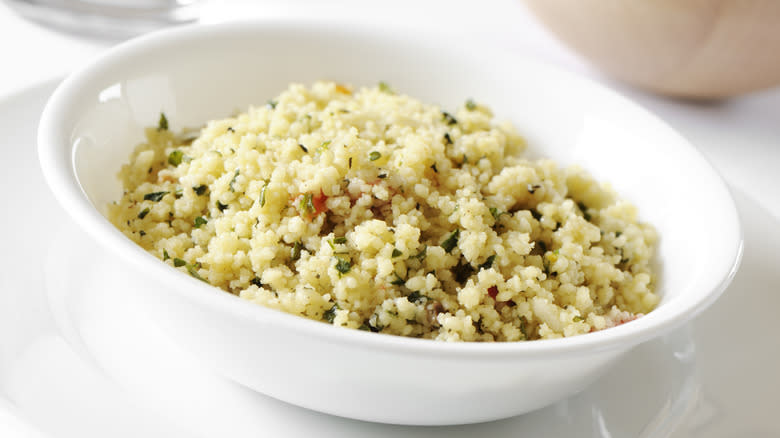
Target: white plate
(718, 378)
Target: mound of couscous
(372, 210)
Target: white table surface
(741, 137)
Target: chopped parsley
(179, 262)
(307, 204)
(343, 265)
(233, 181)
(462, 271)
(165, 255)
(271, 104)
(162, 124)
(415, 296)
(175, 157)
(488, 263)
(496, 213)
(200, 190)
(471, 105)
(221, 206)
(433, 166)
(200, 221)
(374, 155)
(451, 241)
(396, 253)
(154, 196)
(262, 195)
(256, 281)
(382, 176)
(303, 148)
(143, 213)
(330, 314)
(340, 239)
(447, 138)
(295, 253)
(194, 272)
(533, 187)
(421, 255)
(398, 280)
(385, 88)
(448, 118)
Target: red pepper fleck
(319, 203)
(493, 292)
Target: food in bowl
(371, 210)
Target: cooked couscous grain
(372, 210)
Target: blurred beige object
(686, 48)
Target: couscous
(371, 210)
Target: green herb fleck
(330, 314)
(451, 241)
(200, 190)
(447, 138)
(471, 105)
(343, 265)
(396, 253)
(200, 221)
(382, 176)
(340, 239)
(295, 254)
(533, 187)
(462, 271)
(178, 262)
(194, 272)
(618, 234)
(303, 148)
(374, 155)
(221, 206)
(536, 215)
(324, 145)
(415, 296)
(256, 281)
(448, 118)
(307, 203)
(488, 262)
(398, 280)
(350, 162)
(385, 88)
(233, 181)
(143, 213)
(271, 104)
(584, 210)
(165, 254)
(577, 318)
(154, 196)
(421, 255)
(262, 195)
(162, 125)
(496, 213)
(175, 157)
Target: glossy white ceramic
(193, 74)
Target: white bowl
(97, 116)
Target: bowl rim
(58, 166)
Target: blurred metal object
(700, 49)
(113, 19)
